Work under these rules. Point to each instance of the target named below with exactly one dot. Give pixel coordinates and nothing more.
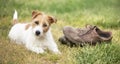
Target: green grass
(102, 54)
(76, 13)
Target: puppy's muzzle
(37, 33)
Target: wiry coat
(34, 35)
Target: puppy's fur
(36, 35)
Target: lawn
(77, 13)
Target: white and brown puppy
(36, 35)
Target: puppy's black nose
(37, 33)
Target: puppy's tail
(15, 17)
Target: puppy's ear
(52, 19)
(35, 13)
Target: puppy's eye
(44, 25)
(36, 22)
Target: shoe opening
(103, 34)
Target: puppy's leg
(53, 47)
(55, 50)
(34, 48)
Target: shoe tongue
(90, 27)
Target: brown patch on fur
(27, 26)
(15, 21)
(46, 28)
(42, 20)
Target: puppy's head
(41, 22)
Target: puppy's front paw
(56, 51)
(38, 50)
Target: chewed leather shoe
(88, 35)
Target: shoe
(88, 35)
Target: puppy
(36, 35)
